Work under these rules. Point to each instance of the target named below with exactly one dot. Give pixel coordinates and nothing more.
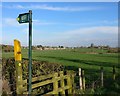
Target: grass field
(89, 59)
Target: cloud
(101, 35)
(0, 25)
(38, 22)
(102, 22)
(11, 22)
(0, 5)
(55, 8)
(25, 30)
(93, 30)
(109, 22)
(60, 0)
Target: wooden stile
(54, 78)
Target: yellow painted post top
(17, 50)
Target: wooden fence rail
(52, 79)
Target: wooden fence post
(80, 78)
(101, 76)
(18, 66)
(55, 84)
(62, 81)
(93, 85)
(83, 79)
(73, 85)
(69, 83)
(114, 72)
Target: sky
(62, 23)
(60, 0)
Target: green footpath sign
(23, 18)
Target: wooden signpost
(18, 66)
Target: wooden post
(18, 66)
(73, 85)
(62, 82)
(93, 87)
(55, 84)
(80, 78)
(102, 76)
(69, 83)
(93, 84)
(114, 72)
(83, 79)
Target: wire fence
(89, 84)
(96, 78)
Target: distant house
(40, 47)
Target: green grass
(80, 58)
(74, 58)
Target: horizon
(63, 46)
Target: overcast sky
(67, 24)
